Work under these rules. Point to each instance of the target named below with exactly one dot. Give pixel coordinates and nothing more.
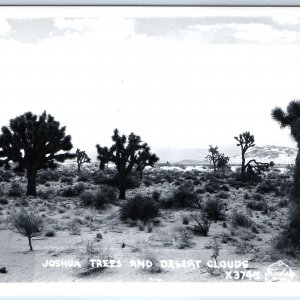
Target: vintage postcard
(149, 144)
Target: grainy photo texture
(150, 144)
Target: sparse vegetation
(139, 208)
(27, 224)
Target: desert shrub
(283, 203)
(27, 224)
(239, 219)
(288, 240)
(242, 247)
(75, 226)
(3, 201)
(211, 187)
(139, 207)
(246, 196)
(150, 255)
(49, 233)
(5, 175)
(47, 175)
(185, 196)
(183, 238)
(258, 197)
(66, 179)
(267, 187)
(73, 191)
(91, 251)
(257, 205)
(156, 195)
(104, 195)
(214, 209)
(201, 224)
(223, 195)
(87, 198)
(185, 219)
(200, 191)
(15, 190)
(84, 177)
(225, 188)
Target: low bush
(288, 240)
(84, 177)
(239, 219)
(87, 198)
(15, 190)
(66, 179)
(257, 205)
(201, 224)
(183, 238)
(73, 191)
(3, 201)
(139, 208)
(214, 209)
(105, 195)
(185, 196)
(47, 175)
(267, 187)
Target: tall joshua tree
(291, 119)
(245, 141)
(126, 153)
(34, 143)
(81, 158)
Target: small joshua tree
(82, 158)
(126, 153)
(219, 160)
(245, 141)
(104, 156)
(144, 159)
(27, 224)
(34, 143)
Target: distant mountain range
(277, 154)
(196, 156)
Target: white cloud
(172, 92)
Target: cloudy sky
(185, 77)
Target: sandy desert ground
(76, 231)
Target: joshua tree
(219, 160)
(126, 153)
(245, 141)
(104, 156)
(27, 224)
(291, 119)
(144, 159)
(34, 143)
(82, 158)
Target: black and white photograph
(149, 144)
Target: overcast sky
(177, 80)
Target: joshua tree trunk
(78, 168)
(30, 244)
(31, 182)
(122, 187)
(243, 165)
(296, 185)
